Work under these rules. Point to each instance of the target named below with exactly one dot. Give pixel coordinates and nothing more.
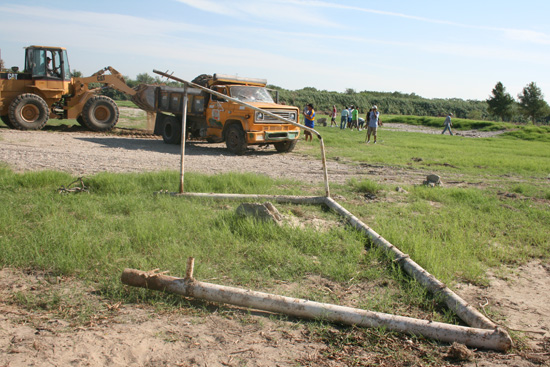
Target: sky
(435, 49)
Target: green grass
(126, 104)
(458, 233)
(121, 223)
(531, 133)
(441, 153)
(454, 233)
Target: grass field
(456, 233)
(480, 156)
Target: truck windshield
(251, 94)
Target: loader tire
(285, 146)
(171, 133)
(6, 120)
(235, 140)
(28, 112)
(100, 113)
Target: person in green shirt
(354, 118)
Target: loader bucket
(145, 97)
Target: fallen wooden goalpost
(481, 333)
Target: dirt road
(86, 153)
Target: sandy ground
(130, 335)
(82, 153)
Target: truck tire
(171, 132)
(6, 120)
(235, 140)
(285, 146)
(80, 121)
(202, 80)
(28, 112)
(100, 113)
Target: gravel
(87, 153)
(84, 153)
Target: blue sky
(436, 49)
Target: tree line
(500, 106)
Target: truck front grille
(264, 118)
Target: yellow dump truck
(45, 89)
(216, 119)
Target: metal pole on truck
(183, 135)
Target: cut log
(189, 287)
(467, 313)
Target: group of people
(350, 119)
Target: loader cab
(47, 63)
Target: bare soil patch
(432, 130)
(137, 335)
(86, 153)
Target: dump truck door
(216, 112)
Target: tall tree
(500, 104)
(1, 64)
(532, 102)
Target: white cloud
(34, 18)
(276, 12)
(527, 36)
(216, 7)
(523, 35)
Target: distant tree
(349, 91)
(76, 74)
(475, 115)
(500, 104)
(532, 103)
(145, 78)
(1, 64)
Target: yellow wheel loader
(44, 89)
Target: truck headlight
(259, 116)
(292, 116)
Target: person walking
(333, 117)
(372, 125)
(355, 118)
(309, 116)
(447, 124)
(344, 118)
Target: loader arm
(113, 80)
(79, 92)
